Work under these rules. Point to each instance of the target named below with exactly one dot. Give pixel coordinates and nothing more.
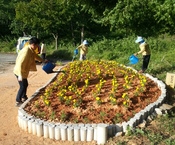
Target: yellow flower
(46, 102)
(114, 99)
(98, 72)
(64, 90)
(124, 103)
(142, 85)
(86, 81)
(55, 83)
(126, 77)
(124, 95)
(127, 81)
(97, 98)
(70, 88)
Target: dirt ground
(10, 133)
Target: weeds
(102, 115)
(86, 120)
(75, 120)
(37, 104)
(40, 114)
(63, 116)
(117, 118)
(53, 115)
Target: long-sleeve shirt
(144, 49)
(43, 48)
(25, 62)
(83, 49)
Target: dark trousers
(146, 59)
(43, 56)
(22, 89)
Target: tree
(6, 16)
(56, 17)
(146, 17)
(165, 16)
(130, 16)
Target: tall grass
(162, 56)
(7, 44)
(162, 48)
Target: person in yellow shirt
(25, 62)
(145, 51)
(83, 49)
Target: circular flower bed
(94, 92)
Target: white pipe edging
(83, 133)
(101, 133)
(51, 131)
(76, 133)
(57, 132)
(46, 129)
(70, 134)
(63, 132)
(90, 133)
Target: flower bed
(94, 92)
(116, 96)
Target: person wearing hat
(83, 49)
(145, 51)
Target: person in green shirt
(25, 62)
(145, 51)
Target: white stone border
(84, 132)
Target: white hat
(85, 42)
(139, 39)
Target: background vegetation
(111, 28)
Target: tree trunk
(56, 40)
(82, 34)
(24, 34)
(73, 36)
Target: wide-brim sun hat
(139, 39)
(85, 42)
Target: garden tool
(75, 54)
(133, 59)
(48, 67)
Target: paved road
(6, 60)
